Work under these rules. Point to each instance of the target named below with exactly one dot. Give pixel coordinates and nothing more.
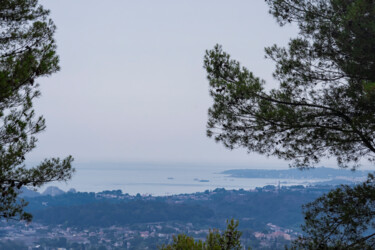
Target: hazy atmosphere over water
(132, 87)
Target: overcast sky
(132, 87)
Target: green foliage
(184, 242)
(324, 106)
(27, 51)
(229, 239)
(341, 219)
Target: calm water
(161, 180)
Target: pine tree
(325, 103)
(324, 107)
(227, 240)
(27, 52)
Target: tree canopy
(228, 240)
(324, 105)
(341, 219)
(27, 52)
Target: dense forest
(254, 209)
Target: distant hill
(254, 208)
(53, 191)
(316, 173)
(25, 192)
(274, 212)
(266, 210)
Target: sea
(162, 179)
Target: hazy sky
(132, 86)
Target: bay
(159, 179)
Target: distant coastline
(171, 180)
(315, 173)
